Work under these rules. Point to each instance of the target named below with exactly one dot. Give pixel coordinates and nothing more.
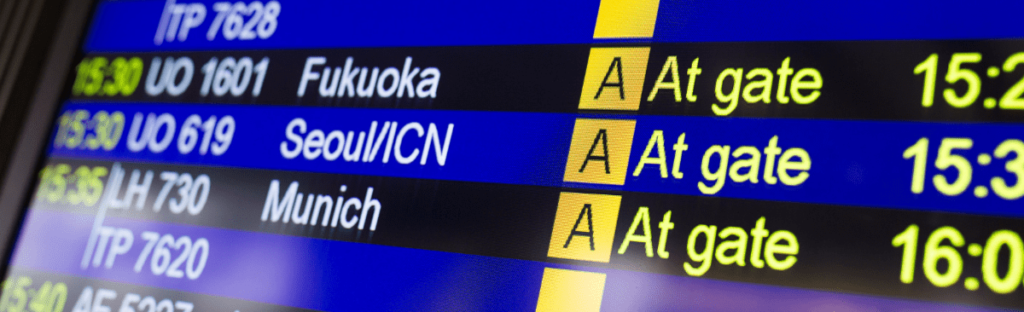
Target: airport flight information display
(616, 155)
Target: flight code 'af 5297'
(92, 300)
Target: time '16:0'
(1001, 272)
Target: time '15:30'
(947, 157)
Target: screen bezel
(28, 151)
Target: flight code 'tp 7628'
(237, 21)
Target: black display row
(887, 80)
(910, 254)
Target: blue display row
(809, 20)
(159, 25)
(341, 276)
(124, 26)
(971, 168)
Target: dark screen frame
(28, 151)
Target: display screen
(585, 155)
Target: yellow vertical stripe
(568, 290)
(626, 19)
